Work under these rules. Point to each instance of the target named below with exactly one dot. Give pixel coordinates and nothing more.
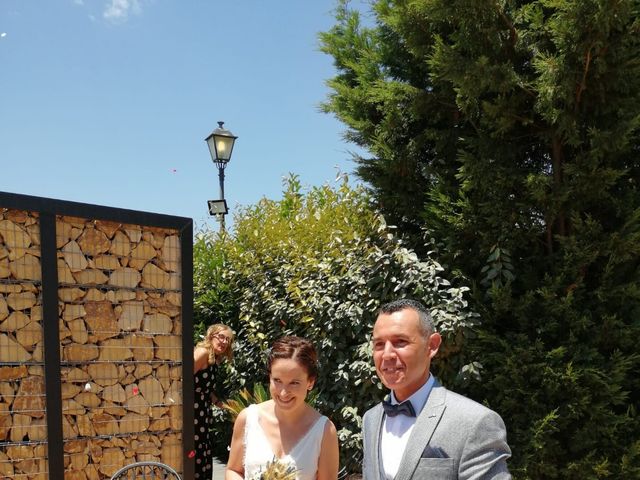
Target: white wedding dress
(257, 449)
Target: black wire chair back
(146, 471)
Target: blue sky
(108, 102)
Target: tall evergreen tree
(508, 131)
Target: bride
(285, 428)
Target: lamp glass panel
(224, 145)
(212, 147)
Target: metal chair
(146, 471)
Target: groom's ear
(435, 340)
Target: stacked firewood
(119, 292)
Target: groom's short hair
(426, 322)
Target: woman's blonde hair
(207, 342)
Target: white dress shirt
(396, 430)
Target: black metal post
(188, 430)
(221, 179)
(53, 388)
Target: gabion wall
(117, 387)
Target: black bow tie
(404, 408)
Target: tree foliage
(509, 132)
(211, 305)
(318, 264)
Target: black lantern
(220, 144)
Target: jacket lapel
(376, 433)
(422, 432)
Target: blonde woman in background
(216, 347)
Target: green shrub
(319, 264)
(213, 299)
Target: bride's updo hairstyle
(296, 348)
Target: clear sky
(108, 102)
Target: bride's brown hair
(296, 348)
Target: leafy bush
(319, 264)
(213, 298)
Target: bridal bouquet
(276, 470)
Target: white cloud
(3, 34)
(119, 10)
(78, 2)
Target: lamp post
(220, 144)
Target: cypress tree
(508, 132)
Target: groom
(422, 430)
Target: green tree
(509, 132)
(214, 301)
(318, 264)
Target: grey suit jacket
(453, 438)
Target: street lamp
(220, 144)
